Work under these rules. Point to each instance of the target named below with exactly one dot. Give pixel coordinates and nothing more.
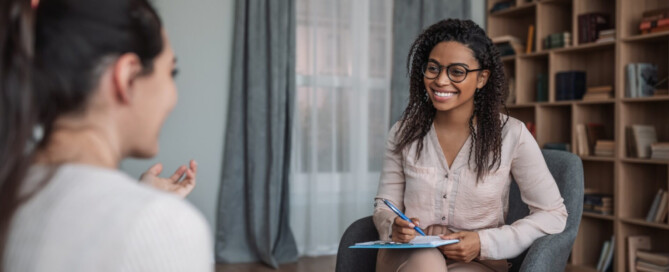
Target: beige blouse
(436, 194)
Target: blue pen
(401, 215)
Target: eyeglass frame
(441, 68)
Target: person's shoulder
(512, 127)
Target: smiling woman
(450, 158)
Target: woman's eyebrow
(458, 63)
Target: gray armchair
(548, 253)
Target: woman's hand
(466, 250)
(403, 231)
(173, 184)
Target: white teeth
(439, 94)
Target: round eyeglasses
(456, 72)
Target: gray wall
(478, 12)
(201, 34)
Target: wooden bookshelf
(633, 182)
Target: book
(646, 78)
(630, 83)
(582, 140)
(604, 148)
(661, 213)
(643, 136)
(655, 14)
(499, 6)
(569, 85)
(650, 217)
(634, 244)
(530, 39)
(609, 254)
(649, 267)
(595, 131)
(603, 255)
(659, 151)
(657, 258)
(418, 242)
(508, 45)
(590, 24)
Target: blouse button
(446, 175)
(444, 196)
(443, 218)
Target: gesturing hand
(403, 231)
(466, 250)
(173, 184)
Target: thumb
(415, 221)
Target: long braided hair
(485, 123)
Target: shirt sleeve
(539, 191)
(391, 187)
(169, 235)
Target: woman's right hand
(403, 231)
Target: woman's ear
(126, 68)
(482, 78)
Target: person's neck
(81, 144)
(454, 119)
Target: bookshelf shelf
(644, 161)
(632, 182)
(508, 58)
(538, 54)
(588, 47)
(646, 99)
(643, 222)
(594, 102)
(598, 158)
(652, 37)
(598, 216)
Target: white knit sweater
(94, 219)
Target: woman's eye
(457, 72)
(175, 72)
(433, 69)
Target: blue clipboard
(434, 242)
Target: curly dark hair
(486, 132)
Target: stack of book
(607, 35)
(557, 40)
(641, 79)
(590, 24)
(598, 203)
(499, 6)
(658, 209)
(569, 85)
(639, 139)
(542, 87)
(508, 45)
(598, 93)
(606, 256)
(652, 261)
(591, 138)
(604, 148)
(656, 20)
(659, 151)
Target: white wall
(201, 33)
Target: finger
(155, 169)
(415, 221)
(452, 236)
(190, 178)
(178, 174)
(406, 231)
(193, 166)
(403, 223)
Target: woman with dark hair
(97, 77)
(450, 159)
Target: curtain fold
(410, 17)
(253, 210)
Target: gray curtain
(410, 17)
(253, 222)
